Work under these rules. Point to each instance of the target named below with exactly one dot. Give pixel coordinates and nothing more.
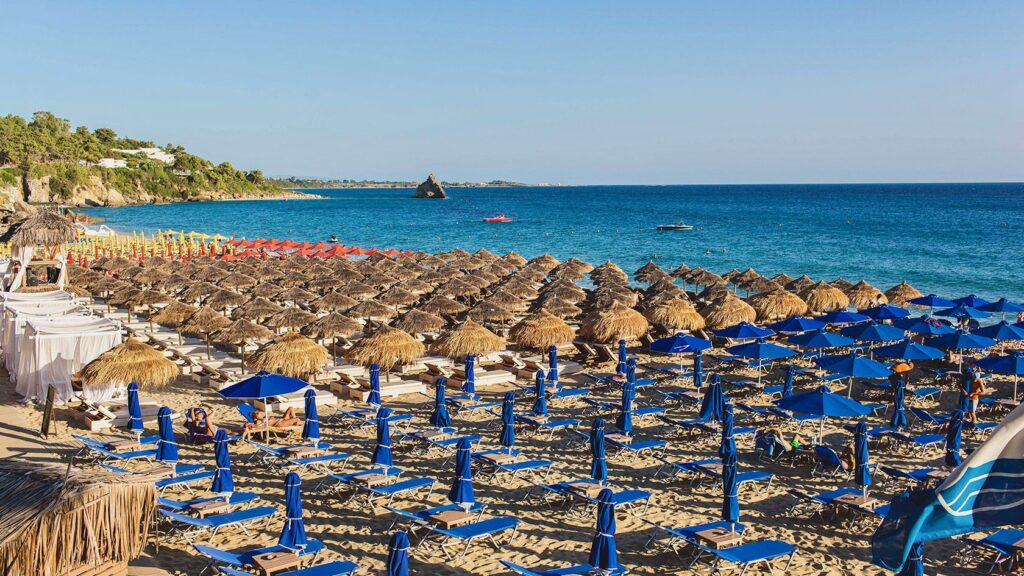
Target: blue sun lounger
(349, 480)
(336, 568)
(484, 529)
(367, 418)
(463, 403)
(421, 518)
(711, 478)
(100, 452)
(677, 396)
(224, 558)
(277, 455)
(489, 469)
(895, 476)
(636, 448)
(675, 538)
(185, 480)
(236, 499)
(817, 504)
(189, 527)
(639, 414)
(550, 426)
(1000, 543)
(610, 380)
(745, 555)
(567, 571)
(916, 444)
(389, 492)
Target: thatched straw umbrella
(418, 321)
(701, 277)
(648, 272)
(560, 308)
(45, 228)
(295, 294)
(760, 284)
(203, 323)
(172, 315)
(210, 274)
(777, 304)
(358, 290)
(457, 287)
(58, 519)
(333, 301)
(823, 297)
(783, 279)
(489, 312)
(130, 361)
(386, 347)
(681, 271)
(372, 309)
(397, 297)
(902, 293)
(842, 283)
(613, 324)
(258, 309)
(676, 314)
(123, 297)
(290, 318)
(507, 300)
(515, 259)
(148, 299)
(545, 262)
(468, 338)
(150, 277)
(291, 354)
(241, 332)
(117, 263)
(173, 283)
(236, 280)
(443, 305)
(198, 291)
(863, 295)
(727, 312)
(800, 284)
(266, 290)
(541, 330)
(222, 299)
(330, 327)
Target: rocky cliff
(430, 188)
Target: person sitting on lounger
(199, 424)
(795, 443)
(261, 420)
(849, 457)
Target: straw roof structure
(800, 284)
(291, 318)
(842, 283)
(332, 325)
(173, 313)
(241, 331)
(902, 293)
(823, 297)
(55, 519)
(131, 361)
(222, 299)
(257, 309)
(468, 338)
(204, 322)
(333, 301)
(560, 308)
(728, 312)
(676, 314)
(701, 277)
(386, 347)
(541, 330)
(777, 304)
(45, 228)
(864, 295)
(490, 312)
(291, 354)
(418, 321)
(613, 324)
(372, 309)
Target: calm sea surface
(951, 239)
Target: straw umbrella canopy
(560, 308)
(676, 314)
(783, 279)
(386, 347)
(108, 285)
(457, 287)
(864, 295)
(567, 273)
(748, 275)
(777, 305)
(372, 309)
(565, 290)
(198, 291)
(701, 277)
(295, 294)
(266, 290)
(330, 327)
(489, 312)
(727, 312)
(613, 324)
(130, 361)
(358, 290)
(173, 314)
(648, 272)
(333, 301)
(545, 262)
(150, 276)
(608, 273)
(237, 280)
(731, 276)
(823, 297)
(842, 283)
(44, 228)
(291, 354)
(514, 259)
(541, 330)
(290, 317)
(800, 284)
(222, 299)
(397, 297)
(507, 300)
(760, 284)
(241, 332)
(680, 271)
(902, 293)
(123, 297)
(203, 323)
(417, 286)
(256, 309)
(173, 282)
(521, 287)
(210, 274)
(438, 304)
(418, 321)
(148, 298)
(117, 263)
(468, 338)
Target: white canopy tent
(52, 350)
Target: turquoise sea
(951, 239)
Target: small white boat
(675, 227)
(102, 231)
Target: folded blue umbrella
(744, 331)
(469, 386)
(398, 555)
(899, 398)
(961, 312)
(263, 384)
(374, 397)
(728, 441)
(862, 468)
(382, 452)
(1002, 330)
(854, 365)
(971, 301)
(931, 301)
(134, 410)
(886, 312)
(598, 461)
(787, 384)
(553, 365)
(440, 418)
(223, 482)
(508, 421)
(167, 447)
(602, 550)
(631, 370)
(963, 403)
(961, 340)
(698, 369)
(730, 488)
(820, 339)
(1003, 306)
(311, 428)
(843, 317)
(924, 325)
(907, 349)
(953, 431)
(620, 368)
(540, 403)
(679, 343)
(914, 566)
(797, 325)
(625, 420)
(873, 332)
(461, 491)
(293, 534)
(712, 407)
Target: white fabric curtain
(23, 256)
(14, 315)
(53, 350)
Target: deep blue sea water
(951, 239)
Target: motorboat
(679, 226)
(333, 239)
(499, 217)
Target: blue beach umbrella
(760, 350)
(823, 403)
(744, 331)
(698, 369)
(873, 332)
(963, 312)
(931, 301)
(953, 430)
(293, 534)
(924, 325)
(134, 410)
(1012, 364)
(961, 340)
(1003, 331)
(223, 483)
(914, 566)
(263, 384)
(311, 428)
(886, 312)
(899, 397)
(907, 349)
(540, 403)
(839, 317)
(440, 418)
(382, 452)
(461, 492)
(631, 370)
(508, 421)
(728, 441)
(854, 365)
(167, 447)
(963, 403)
(374, 397)
(679, 343)
(862, 468)
(598, 462)
(620, 368)
(820, 339)
(398, 555)
(553, 365)
(712, 407)
(730, 489)
(787, 384)
(1002, 306)
(971, 301)
(469, 386)
(797, 325)
(602, 551)
(625, 420)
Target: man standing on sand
(977, 389)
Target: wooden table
(452, 518)
(301, 451)
(123, 445)
(210, 507)
(719, 538)
(374, 480)
(500, 458)
(589, 489)
(859, 501)
(619, 438)
(273, 562)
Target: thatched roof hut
(57, 520)
(541, 330)
(386, 347)
(291, 354)
(823, 297)
(613, 324)
(776, 305)
(468, 338)
(902, 293)
(676, 314)
(130, 361)
(44, 228)
(728, 312)
(864, 295)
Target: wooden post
(51, 392)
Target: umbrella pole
(334, 350)
(1014, 387)
(821, 429)
(243, 357)
(208, 356)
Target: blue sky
(542, 91)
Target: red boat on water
(499, 217)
